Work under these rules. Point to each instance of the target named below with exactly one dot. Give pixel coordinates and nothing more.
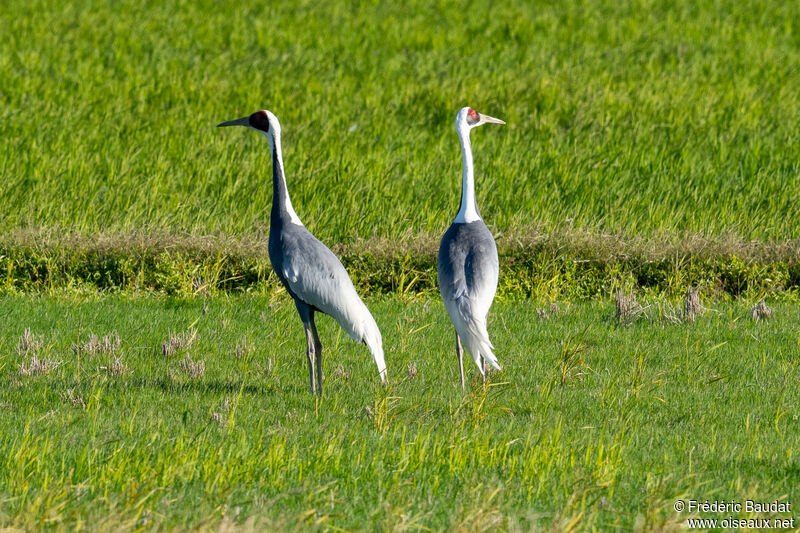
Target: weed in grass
(179, 342)
(38, 366)
(341, 373)
(116, 368)
(760, 311)
(146, 519)
(94, 345)
(691, 304)
(28, 343)
(628, 308)
(411, 370)
(222, 415)
(192, 369)
(668, 313)
(74, 399)
(482, 401)
(243, 348)
(637, 375)
(266, 370)
(383, 411)
(545, 313)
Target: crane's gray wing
(468, 266)
(311, 271)
(481, 272)
(315, 276)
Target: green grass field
(650, 144)
(644, 118)
(590, 424)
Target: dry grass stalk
(200, 286)
(412, 370)
(669, 314)
(221, 417)
(178, 343)
(28, 343)
(193, 369)
(760, 311)
(628, 309)
(70, 396)
(95, 345)
(341, 373)
(38, 366)
(545, 313)
(242, 348)
(266, 370)
(116, 368)
(691, 304)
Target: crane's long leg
(317, 354)
(306, 315)
(485, 370)
(310, 354)
(460, 354)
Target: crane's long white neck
(468, 211)
(280, 192)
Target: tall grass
(642, 117)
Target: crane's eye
(472, 117)
(259, 121)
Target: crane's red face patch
(259, 121)
(472, 117)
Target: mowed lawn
(638, 117)
(590, 424)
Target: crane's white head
(468, 118)
(263, 121)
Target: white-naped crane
(311, 273)
(468, 264)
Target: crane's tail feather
(362, 328)
(476, 340)
(376, 349)
(372, 338)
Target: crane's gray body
(468, 264)
(468, 270)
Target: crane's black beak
(490, 120)
(244, 121)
